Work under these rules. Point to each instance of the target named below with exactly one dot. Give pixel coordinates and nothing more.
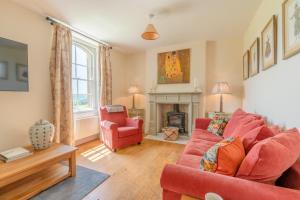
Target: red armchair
(118, 131)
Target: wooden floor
(135, 171)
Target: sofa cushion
(197, 147)
(238, 117)
(224, 157)
(269, 158)
(247, 125)
(205, 135)
(252, 137)
(127, 131)
(189, 160)
(217, 125)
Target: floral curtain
(105, 76)
(60, 75)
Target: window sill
(78, 115)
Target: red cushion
(247, 125)
(254, 136)
(197, 147)
(127, 131)
(205, 135)
(269, 158)
(238, 117)
(189, 160)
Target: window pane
(74, 86)
(73, 71)
(75, 101)
(73, 53)
(81, 56)
(83, 102)
(82, 72)
(82, 87)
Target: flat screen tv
(13, 66)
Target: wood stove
(176, 118)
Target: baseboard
(86, 139)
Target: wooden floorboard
(135, 171)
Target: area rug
(74, 188)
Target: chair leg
(114, 150)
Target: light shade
(221, 88)
(133, 90)
(150, 33)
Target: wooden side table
(133, 112)
(140, 113)
(213, 114)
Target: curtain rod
(52, 20)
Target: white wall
(223, 63)
(19, 110)
(135, 76)
(273, 93)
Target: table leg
(72, 164)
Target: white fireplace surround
(192, 99)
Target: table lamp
(133, 90)
(221, 88)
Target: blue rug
(74, 188)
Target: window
(84, 78)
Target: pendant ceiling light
(150, 32)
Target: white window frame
(92, 48)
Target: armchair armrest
(134, 122)
(108, 125)
(202, 123)
(196, 183)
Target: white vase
(41, 134)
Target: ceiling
(121, 22)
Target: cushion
(224, 157)
(127, 131)
(238, 117)
(250, 138)
(247, 125)
(217, 125)
(269, 158)
(206, 135)
(197, 147)
(189, 161)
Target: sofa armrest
(202, 123)
(134, 122)
(195, 183)
(108, 125)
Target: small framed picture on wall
(22, 72)
(246, 65)
(3, 70)
(254, 58)
(269, 44)
(291, 27)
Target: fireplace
(176, 118)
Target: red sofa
(118, 131)
(186, 178)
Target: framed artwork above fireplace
(173, 67)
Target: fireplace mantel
(192, 99)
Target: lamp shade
(150, 33)
(221, 88)
(133, 90)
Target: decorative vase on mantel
(41, 134)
